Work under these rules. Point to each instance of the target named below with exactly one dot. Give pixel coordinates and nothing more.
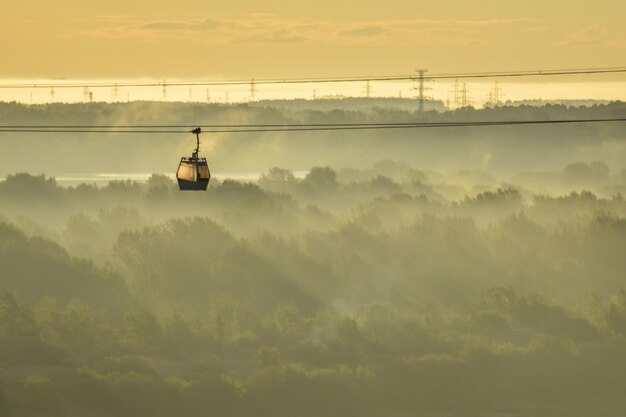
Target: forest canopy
(491, 284)
(380, 291)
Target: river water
(102, 179)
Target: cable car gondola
(193, 173)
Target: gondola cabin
(193, 172)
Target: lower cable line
(260, 128)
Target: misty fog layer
(375, 291)
(503, 150)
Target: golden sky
(245, 38)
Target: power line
(44, 127)
(368, 89)
(253, 89)
(420, 89)
(297, 128)
(241, 125)
(534, 73)
(89, 131)
(295, 125)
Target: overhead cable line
(467, 75)
(298, 128)
(303, 125)
(90, 131)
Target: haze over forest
(449, 271)
(503, 150)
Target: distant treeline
(373, 292)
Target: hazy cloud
(364, 31)
(617, 42)
(277, 36)
(205, 24)
(535, 29)
(264, 28)
(590, 35)
(495, 22)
